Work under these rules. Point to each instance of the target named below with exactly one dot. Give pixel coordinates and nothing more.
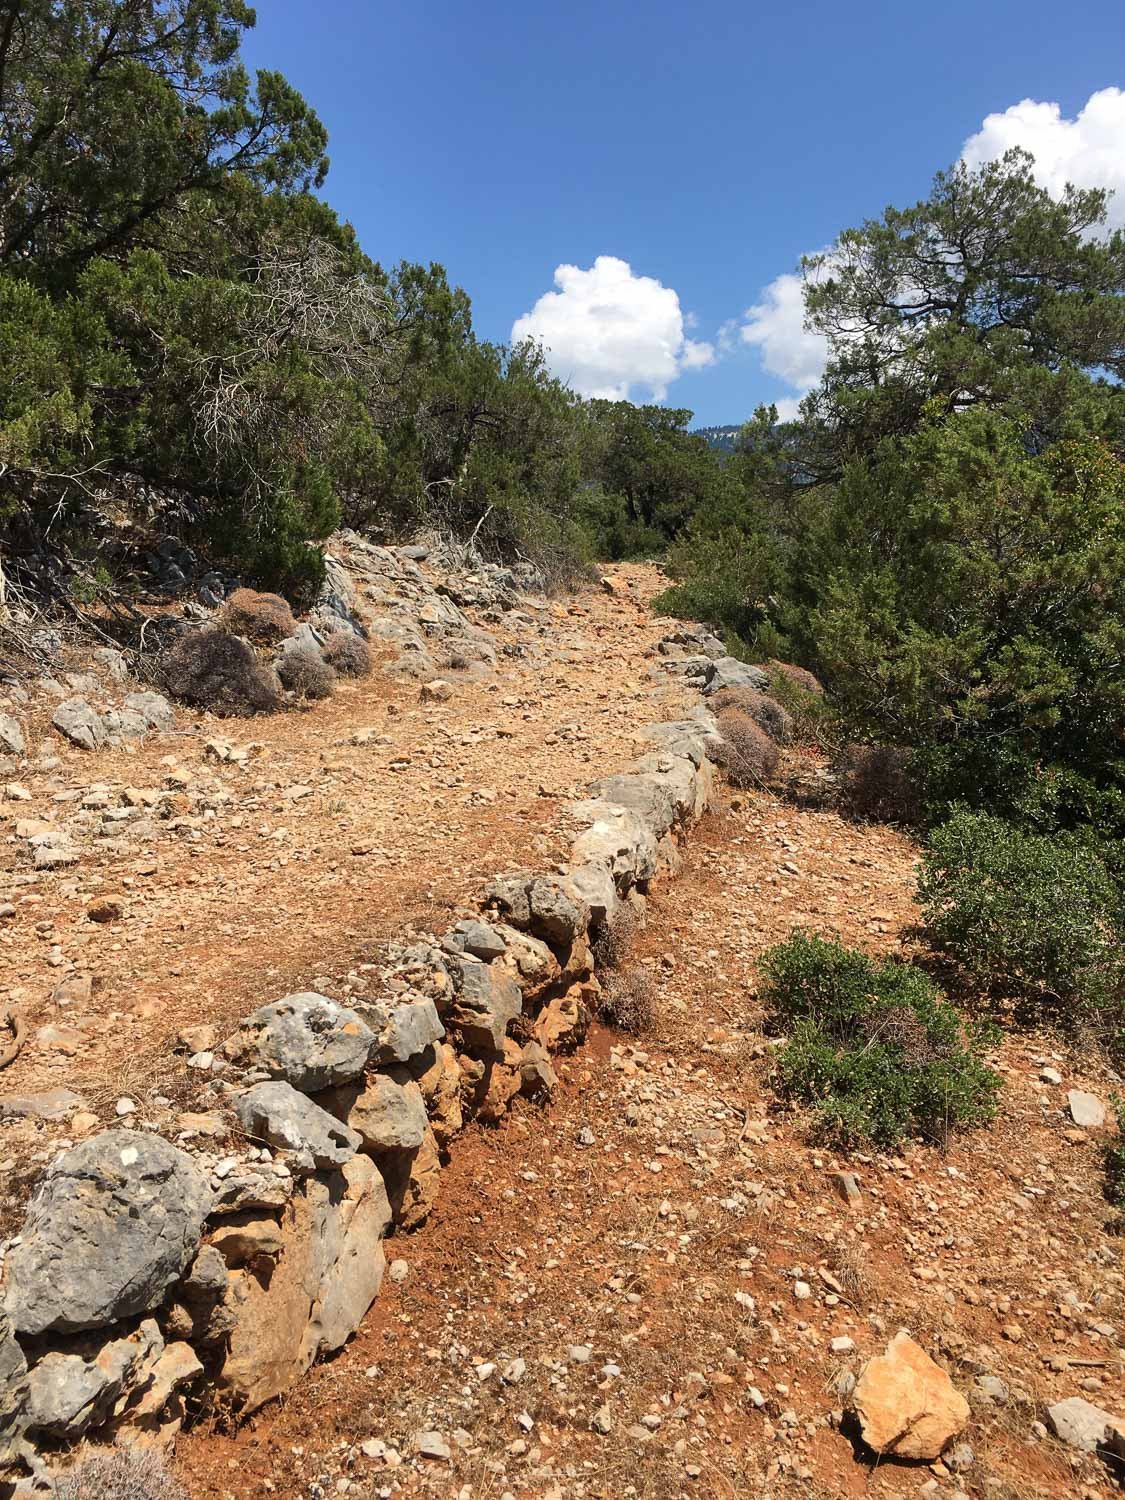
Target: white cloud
(608, 331)
(775, 326)
(1088, 151)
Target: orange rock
(907, 1405)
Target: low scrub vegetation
(1033, 915)
(262, 618)
(628, 1001)
(875, 782)
(769, 715)
(306, 674)
(348, 654)
(221, 672)
(746, 752)
(875, 1049)
(127, 1474)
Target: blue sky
(705, 147)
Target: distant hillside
(721, 438)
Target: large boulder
(645, 793)
(388, 1113)
(403, 1028)
(152, 708)
(279, 1115)
(690, 738)
(616, 838)
(308, 1040)
(14, 1415)
(729, 672)
(556, 915)
(1080, 1424)
(80, 724)
(487, 999)
(326, 1277)
(112, 1225)
(906, 1404)
(71, 1392)
(413, 1180)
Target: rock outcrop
(906, 1404)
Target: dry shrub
(221, 672)
(747, 753)
(629, 1002)
(125, 1474)
(875, 782)
(767, 712)
(263, 618)
(306, 674)
(612, 944)
(799, 675)
(348, 654)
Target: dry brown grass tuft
(875, 782)
(850, 1265)
(221, 672)
(612, 944)
(129, 1474)
(348, 654)
(262, 618)
(747, 753)
(799, 675)
(629, 1001)
(306, 674)
(769, 715)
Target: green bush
(875, 1049)
(1115, 1157)
(1022, 910)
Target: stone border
(150, 1272)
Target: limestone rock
(326, 1277)
(530, 962)
(72, 1392)
(111, 1226)
(13, 1393)
(248, 1186)
(279, 1115)
(152, 708)
(80, 724)
(487, 998)
(478, 939)
(728, 671)
(907, 1405)
(11, 736)
(413, 1180)
(52, 1104)
(242, 1239)
(565, 1019)
(1082, 1425)
(645, 793)
(1086, 1110)
(403, 1028)
(308, 1040)
(615, 838)
(555, 914)
(388, 1113)
(440, 1084)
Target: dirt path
(251, 881)
(634, 1292)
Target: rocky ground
(654, 1285)
(218, 863)
(657, 1287)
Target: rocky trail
(250, 857)
(650, 1284)
(655, 1287)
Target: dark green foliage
(875, 1048)
(220, 672)
(1034, 914)
(1115, 1157)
